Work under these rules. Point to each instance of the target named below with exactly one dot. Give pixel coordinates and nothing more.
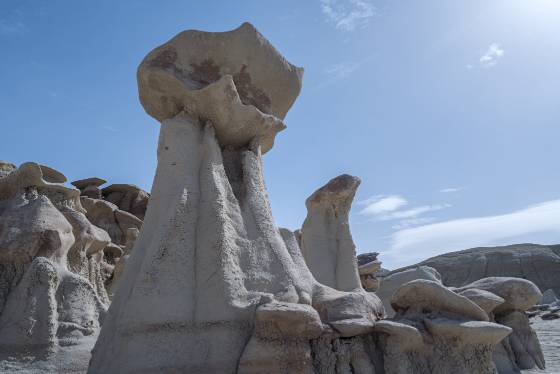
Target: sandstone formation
(521, 350)
(391, 283)
(89, 187)
(127, 197)
(326, 241)
(209, 249)
(51, 294)
(497, 300)
(538, 263)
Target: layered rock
(369, 268)
(44, 302)
(233, 285)
(538, 263)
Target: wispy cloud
(451, 189)
(494, 53)
(348, 15)
(382, 204)
(414, 244)
(413, 212)
(392, 208)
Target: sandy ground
(549, 336)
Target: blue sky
(447, 110)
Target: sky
(447, 110)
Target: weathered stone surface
(51, 175)
(93, 181)
(391, 283)
(44, 305)
(128, 197)
(326, 241)
(209, 249)
(538, 263)
(421, 294)
(519, 294)
(236, 80)
(484, 299)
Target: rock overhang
(236, 80)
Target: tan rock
(234, 79)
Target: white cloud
(110, 128)
(347, 15)
(382, 204)
(494, 53)
(413, 244)
(414, 212)
(451, 189)
(410, 222)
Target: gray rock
(538, 263)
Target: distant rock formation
(538, 263)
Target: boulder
(484, 299)
(391, 283)
(423, 296)
(519, 294)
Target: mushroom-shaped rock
(30, 174)
(93, 181)
(51, 175)
(326, 241)
(236, 80)
(469, 332)
(519, 294)
(391, 283)
(420, 295)
(406, 337)
(484, 299)
(369, 268)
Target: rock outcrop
(326, 241)
(237, 295)
(127, 197)
(538, 263)
(50, 291)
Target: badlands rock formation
(326, 241)
(51, 291)
(237, 295)
(504, 300)
(538, 263)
